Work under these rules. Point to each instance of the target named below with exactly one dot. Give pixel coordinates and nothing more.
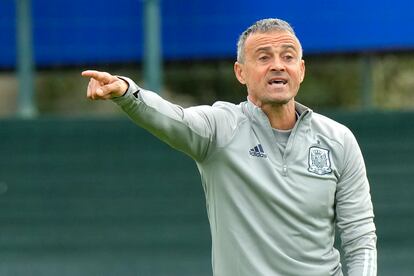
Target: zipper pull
(284, 170)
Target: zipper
(291, 142)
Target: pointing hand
(103, 86)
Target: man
(277, 176)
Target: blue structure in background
(102, 31)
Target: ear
(239, 72)
(302, 67)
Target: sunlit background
(83, 191)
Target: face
(273, 68)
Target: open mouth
(277, 81)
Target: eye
(263, 57)
(289, 57)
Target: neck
(281, 117)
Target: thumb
(115, 89)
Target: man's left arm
(354, 213)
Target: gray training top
(271, 211)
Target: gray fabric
(282, 137)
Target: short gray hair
(262, 26)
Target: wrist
(124, 86)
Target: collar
(255, 113)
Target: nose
(277, 65)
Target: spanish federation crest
(319, 161)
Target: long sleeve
(191, 130)
(354, 213)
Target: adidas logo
(258, 151)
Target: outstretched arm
(191, 130)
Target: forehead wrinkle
(269, 48)
(255, 41)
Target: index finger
(97, 75)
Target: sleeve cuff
(133, 90)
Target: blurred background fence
(84, 192)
